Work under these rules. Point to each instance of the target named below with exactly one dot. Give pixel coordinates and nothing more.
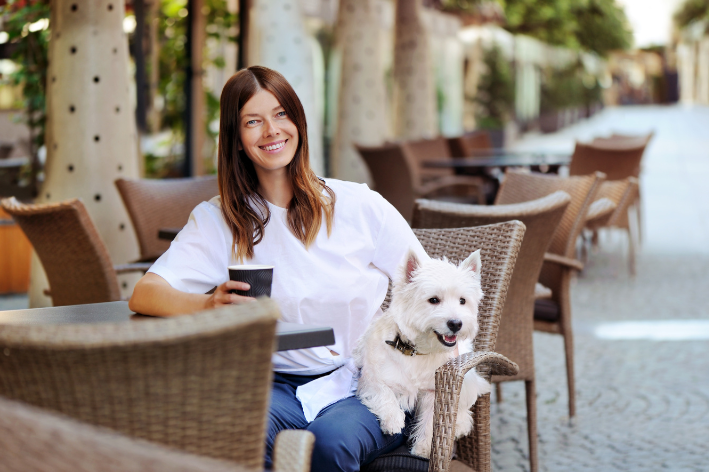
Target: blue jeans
(347, 434)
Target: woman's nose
(271, 129)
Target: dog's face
(439, 301)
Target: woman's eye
(434, 301)
(281, 113)
(462, 301)
(251, 122)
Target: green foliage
(173, 23)
(594, 25)
(569, 87)
(30, 46)
(690, 11)
(496, 95)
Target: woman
(334, 246)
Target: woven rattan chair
(397, 177)
(618, 156)
(162, 203)
(622, 194)
(499, 245)
(34, 440)
(197, 383)
(467, 144)
(77, 263)
(514, 340)
(553, 315)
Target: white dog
(432, 318)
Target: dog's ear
(412, 263)
(472, 263)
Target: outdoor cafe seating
(553, 315)
(154, 204)
(74, 256)
(199, 384)
(514, 340)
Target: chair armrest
(599, 211)
(565, 261)
(449, 381)
(132, 267)
(292, 451)
(449, 181)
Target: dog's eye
(433, 301)
(462, 301)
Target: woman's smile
(275, 146)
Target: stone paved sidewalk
(643, 405)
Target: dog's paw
(463, 424)
(421, 448)
(392, 421)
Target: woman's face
(267, 135)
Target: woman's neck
(276, 188)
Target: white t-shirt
(339, 281)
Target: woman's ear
(238, 145)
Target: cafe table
(288, 335)
(503, 158)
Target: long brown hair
(243, 208)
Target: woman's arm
(154, 296)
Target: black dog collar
(404, 347)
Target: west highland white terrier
(434, 310)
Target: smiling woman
(333, 246)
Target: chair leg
(569, 348)
(638, 216)
(498, 392)
(631, 253)
(531, 393)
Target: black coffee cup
(259, 277)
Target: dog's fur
(426, 307)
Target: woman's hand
(222, 295)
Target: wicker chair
(77, 263)
(553, 315)
(619, 157)
(37, 440)
(467, 144)
(499, 245)
(514, 340)
(622, 194)
(197, 383)
(397, 177)
(166, 203)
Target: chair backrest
(540, 218)
(623, 140)
(32, 439)
(616, 161)
(499, 245)
(198, 383)
(519, 187)
(422, 150)
(395, 175)
(623, 193)
(162, 203)
(467, 144)
(77, 263)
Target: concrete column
(414, 91)
(361, 114)
(448, 58)
(91, 133)
(278, 40)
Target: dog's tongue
(450, 339)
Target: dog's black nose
(454, 325)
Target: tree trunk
(91, 133)
(414, 91)
(278, 40)
(361, 115)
